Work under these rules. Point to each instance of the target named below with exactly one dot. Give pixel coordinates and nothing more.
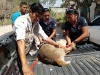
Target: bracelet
(74, 47)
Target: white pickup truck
(94, 30)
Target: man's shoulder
(21, 18)
(82, 21)
(68, 23)
(53, 19)
(40, 20)
(16, 14)
(81, 18)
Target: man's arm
(67, 33)
(67, 37)
(83, 35)
(53, 33)
(45, 37)
(53, 42)
(22, 51)
(40, 39)
(13, 18)
(53, 29)
(22, 54)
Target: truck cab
(94, 30)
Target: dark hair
(72, 11)
(23, 3)
(37, 7)
(46, 9)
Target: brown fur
(51, 54)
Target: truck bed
(85, 60)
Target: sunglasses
(46, 9)
(71, 11)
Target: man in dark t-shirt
(48, 24)
(76, 28)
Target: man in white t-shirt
(22, 11)
(24, 27)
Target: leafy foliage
(64, 5)
(8, 7)
(29, 2)
(81, 3)
(48, 2)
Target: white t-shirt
(23, 26)
(46, 23)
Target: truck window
(96, 22)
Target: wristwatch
(75, 42)
(74, 47)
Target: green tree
(43, 2)
(7, 7)
(64, 5)
(29, 2)
(48, 2)
(83, 5)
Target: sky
(57, 4)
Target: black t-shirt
(75, 32)
(49, 26)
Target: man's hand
(26, 70)
(69, 45)
(68, 49)
(73, 45)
